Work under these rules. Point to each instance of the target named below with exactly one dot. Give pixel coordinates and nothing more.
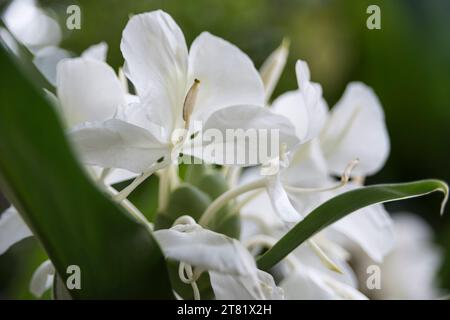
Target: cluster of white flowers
(122, 133)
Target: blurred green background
(407, 62)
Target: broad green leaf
(76, 223)
(342, 205)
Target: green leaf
(76, 223)
(342, 205)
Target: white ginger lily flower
(232, 269)
(214, 83)
(354, 129)
(302, 274)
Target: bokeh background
(407, 63)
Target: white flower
(232, 269)
(214, 83)
(303, 273)
(354, 129)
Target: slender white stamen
(224, 198)
(124, 193)
(345, 178)
(324, 258)
(187, 276)
(189, 102)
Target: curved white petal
(280, 200)
(272, 68)
(205, 249)
(259, 217)
(371, 228)
(315, 104)
(229, 287)
(117, 144)
(356, 129)
(12, 229)
(88, 90)
(97, 52)
(31, 25)
(307, 167)
(227, 76)
(42, 278)
(156, 60)
(307, 118)
(243, 135)
(292, 106)
(46, 60)
(141, 114)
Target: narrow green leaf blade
(75, 222)
(342, 205)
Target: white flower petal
(118, 176)
(229, 287)
(12, 229)
(292, 106)
(97, 52)
(46, 60)
(272, 68)
(31, 25)
(42, 279)
(356, 129)
(280, 201)
(117, 144)
(205, 249)
(371, 228)
(227, 76)
(240, 136)
(141, 114)
(307, 167)
(88, 90)
(156, 59)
